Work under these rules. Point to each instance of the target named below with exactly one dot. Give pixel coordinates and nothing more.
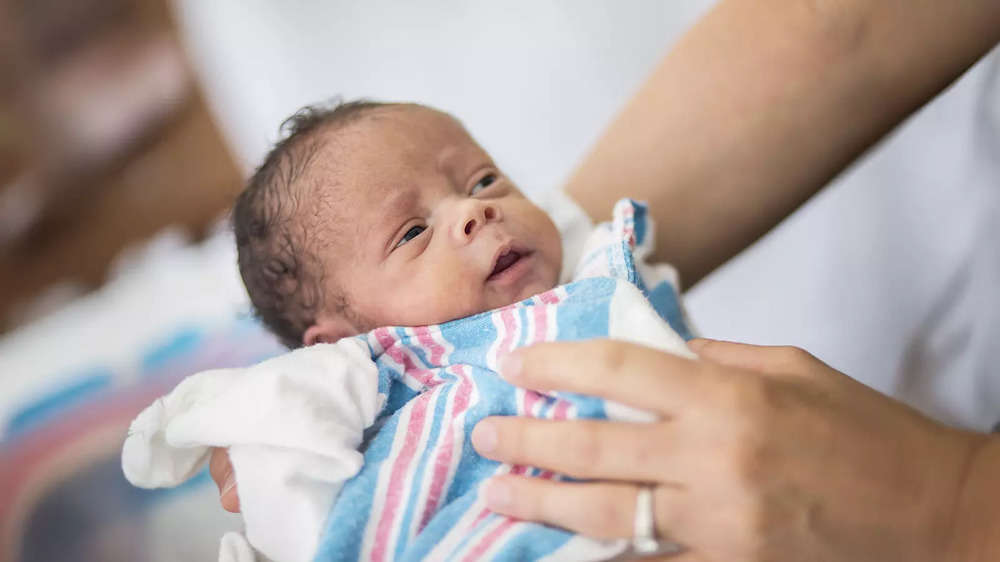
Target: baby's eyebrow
(446, 160)
(400, 203)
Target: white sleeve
(574, 227)
(293, 425)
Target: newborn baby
(383, 239)
(367, 215)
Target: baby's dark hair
(282, 273)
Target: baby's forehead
(400, 127)
(389, 147)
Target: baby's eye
(485, 182)
(411, 234)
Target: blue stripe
(87, 385)
(665, 302)
(439, 527)
(639, 213)
(486, 521)
(181, 343)
(522, 312)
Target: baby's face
(430, 229)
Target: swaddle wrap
(408, 397)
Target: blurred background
(127, 128)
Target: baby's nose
(474, 222)
(476, 215)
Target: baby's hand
(222, 473)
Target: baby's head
(371, 214)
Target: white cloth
(293, 425)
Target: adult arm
(762, 102)
(759, 454)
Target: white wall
(534, 81)
(892, 271)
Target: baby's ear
(327, 330)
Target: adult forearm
(977, 521)
(762, 102)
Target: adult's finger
(221, 471)
(632, 374)
(588, 449)
(765, 359)
(598, 509)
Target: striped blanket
(360, 450)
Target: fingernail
(498, 494)
(510, 366)
(228, 485)
(484, 437)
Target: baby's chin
(541, 287)
(524, 293)
(492, 304)
(450, 308)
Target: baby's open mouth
(507, 259)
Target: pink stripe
(541, 323)
(531, 399)
(442, 464)
(489, 539)
(549, 297)
(388, 343)
(510, 326)
(479, 518)
(397, 476)
(425, 339)
(629, 226)
(562, 407)
(516, 470)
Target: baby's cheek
(553, 251)
(451, 296)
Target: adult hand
(760, 453)
(222, 473)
